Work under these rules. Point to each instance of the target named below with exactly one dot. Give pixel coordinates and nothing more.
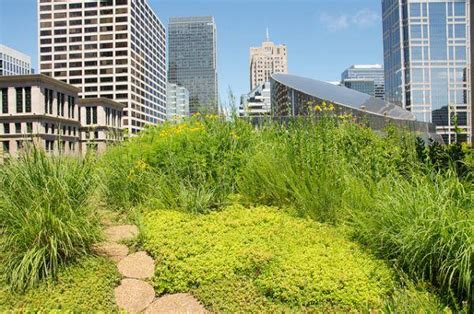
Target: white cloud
(365, 18)
(362, 18)
(334, 23)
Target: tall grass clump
(191, 165)
(425, 224)
(45, 216)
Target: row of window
(60, 104)
(18, 128)
(92, 4)
(23, 100)
(49, 128)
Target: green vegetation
(86, 286)
(45, 216)
(307, 215)
(278, 260)
(409, 204)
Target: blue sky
(323, 36)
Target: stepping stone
(134, 295)
(121, 233)
(176, 303)
(114, 251)
(138, 265)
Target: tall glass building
(427, 68)
(193, 60)
(365, 78)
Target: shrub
(261, 254)
(83, 287)
(45, 215)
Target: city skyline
(305, 25)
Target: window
(48, 145)
(29, 127)
(6, 128)
(19, 99)
(6, 147)
(27, 99)
(70, 107)
(4, 100)
(17, 128)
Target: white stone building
(39, 110)
(257, 103)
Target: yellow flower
(317, 108)
(234, 135)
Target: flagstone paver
(138, 265)
(121, 233)
(176, 303)
(114, 251)
(134, 295)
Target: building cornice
(38, 78)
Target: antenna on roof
(268, 35)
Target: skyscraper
(266, 60)
(13, 62)
(367, 79)
(108, 48)
(193, 60)
(427, 68)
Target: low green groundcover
(83, 287)
(261, 258)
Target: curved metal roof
(343, 96)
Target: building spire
(267, 38)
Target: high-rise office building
(177, 102)
(367, 79)
(193, 60)
(13, 62)
(427, 68)
(113, 49)
(266, 60)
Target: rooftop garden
(308, 215)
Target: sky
(323, 37)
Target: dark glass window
(19, 99)
(4, 100)
(27, 99)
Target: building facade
(293, 96)
(48, 113)
(101, 123)
(41, 111)
(266, 60)
(192, 44)
(177, 102)
(257, 103)
(427, 69)
(113, 49)
(13, 62)
(367, 79)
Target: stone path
(134, 294)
